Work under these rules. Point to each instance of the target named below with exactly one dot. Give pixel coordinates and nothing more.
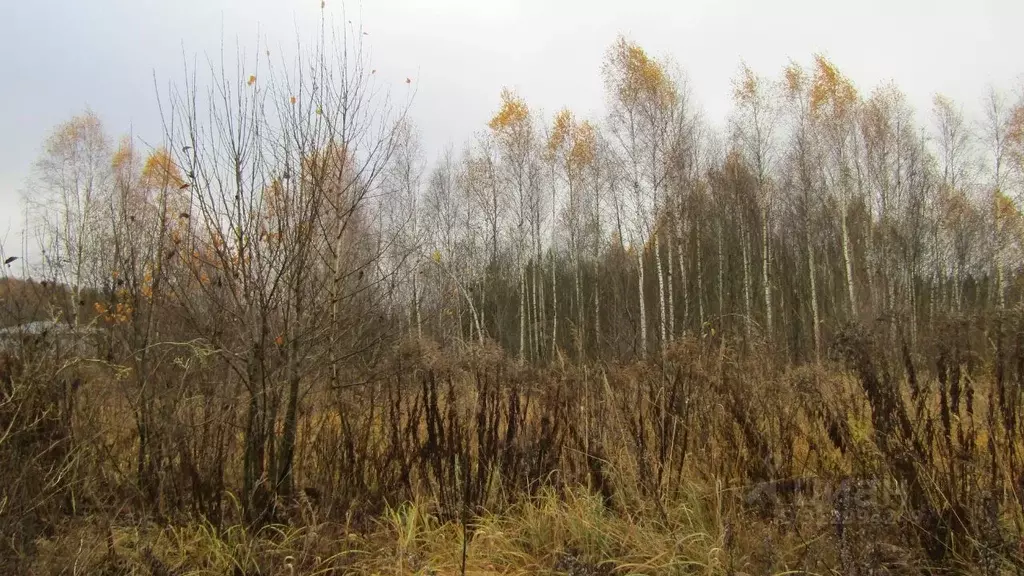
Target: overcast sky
(58, 57)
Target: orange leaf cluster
(1015, 134)
(831, 90)
(160, 171)
(120, 314)
(746, 88)
(578, 139)
(513, 112)
(643, 78)
(795, 80)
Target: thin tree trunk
(700, 283)
(643, 305)
(766, 274)
(815, 320)
(721, 275)
(671, 295)
(522, 314)
(580, 331)
(748, 322)
(848, 261)
(661, 289)
(554, 306)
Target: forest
(285, 341)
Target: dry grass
(707, 462)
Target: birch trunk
(661, 289)
(848, 262)
(814, 298)
(766, 274)
(643, 305)
(746, 279)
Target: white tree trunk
(815, 321)
(700, 284)
(766, 273)
(848, 261)
(746, 281)
(671, 295)
(661, 290)
(522, 314)
(643, 306)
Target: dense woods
(627, 343)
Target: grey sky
(59, 56)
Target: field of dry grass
(709, 460)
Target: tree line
(290, 231)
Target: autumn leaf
(436, 256)
(279, 340)
(513, 111)
(252, 80)
(293, 99)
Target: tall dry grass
(711, 459)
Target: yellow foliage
(579, 141)
(1015, 132)
(746, 87)
(1006, 211)
(831, 89)
(795, 80)
(121, 313)
(161, 172)
(560, 130)
(252, 80)
(436, 256)
(147, 285)
(641, 78)
(584, 144)
(513, 112)
(123, 156)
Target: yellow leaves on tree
(560, 129)
(1015, 135)
(120, 314)
(831, 93)
(637, 78)
(1006, 212)
(746, 87)
(124, 158)
(795, 80)
(252, 79)
(512, 114)
(160, 172)
(147, 285)
(576, 141)
(81, 132)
